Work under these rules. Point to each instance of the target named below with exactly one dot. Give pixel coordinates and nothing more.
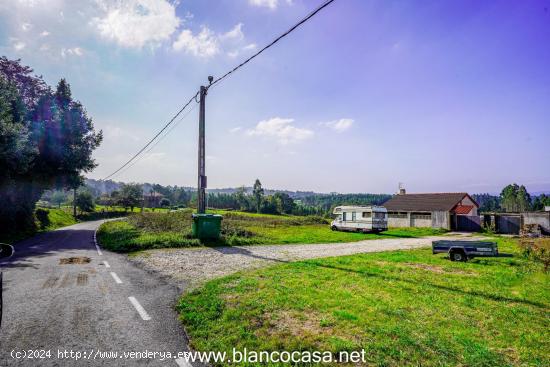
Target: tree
(258, 193)
(523, 199)
(130, 196)
(515, 198)
(509, 198)
(540, 202)
(46, 141)
(164, 203)
(58, 197)
(85, 201)
(285, 204)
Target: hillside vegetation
(161, 230)
(404, 308)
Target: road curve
(105, 305)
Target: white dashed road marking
(116, 278)
(144, 315)
(106, 264)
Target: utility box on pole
(204, 225)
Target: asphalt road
(106, 305)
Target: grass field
(161, 230)
(404, 308)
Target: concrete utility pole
(201, 192)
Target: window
(379, 215)
(397, 215)
(367, 214)
(345, 216)
(353, 216)
(421, 216)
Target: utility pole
(74, 202)
(201, 192)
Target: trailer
(360, 219)
(465, 250)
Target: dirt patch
(298, 325)
(437, 269)
(50, 282)
(82, 279)
(74, 260)
(432, 268)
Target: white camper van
(360, 219)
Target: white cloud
(204, 44)
(26, 26)
(233, 53)
(44, 34)
(280, 129)
(235, 129)
(19, 45)
(271, 4)
(207, 43)
(237, 52)
(235, 34)
(136, 23)
(76, 51)
(339, 125)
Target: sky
(442, 96)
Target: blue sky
(440, 95)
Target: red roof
(463, 209)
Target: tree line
(46, 141)
(512, 198)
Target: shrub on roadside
(538, 250)
(42, 215)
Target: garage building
(453, 211)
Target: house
(454, 211)
(152, 200)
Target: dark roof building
(438, 210)
(430, 202)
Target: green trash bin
(207, 226)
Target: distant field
(162, 230)
(404, 308)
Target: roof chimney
(402, 190)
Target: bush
(538, 250)
(42, 215)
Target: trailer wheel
(334, 228)
(458, 255)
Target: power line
(156, 142)
(305, 19)
(154, 137)
(215, 82)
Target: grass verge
(401, 307)
(163, 230)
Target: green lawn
(161, 230)
(59, 218)
(405, 308)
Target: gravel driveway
(190, 267)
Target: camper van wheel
(458, 255)
(334, 228)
